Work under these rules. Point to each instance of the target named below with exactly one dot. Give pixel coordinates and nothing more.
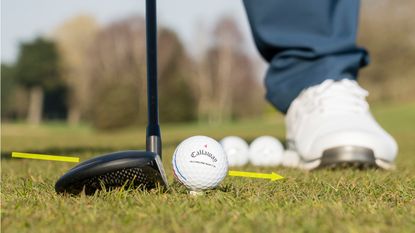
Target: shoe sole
(347, 157)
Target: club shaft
(153, 128)
(151, 27)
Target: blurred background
(83, 62)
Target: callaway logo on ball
(196, 154)
(200, 163)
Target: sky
(22, 20)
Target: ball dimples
(266, 151)
(236, 150)
(200, 163)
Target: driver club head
(136, 169)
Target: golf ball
(236, 150)
(290, 158)
(200, 163)
(266, 151)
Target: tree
(8, 87)
(227, 87)
(13, 97)
(37, 70)
(177, 101)
(73, 39)
(202, 83)
(116, 67)
(387, 30)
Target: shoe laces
(337, 96)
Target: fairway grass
(321, 201)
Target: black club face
(135, 169)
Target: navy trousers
(305, 43)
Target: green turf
(322, 201)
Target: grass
(321, 201)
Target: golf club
(137, 169)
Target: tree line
(88, 73)
(84, 72)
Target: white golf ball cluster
(201, 162)
(263, 151)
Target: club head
(137, 169)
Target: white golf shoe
(330, 125)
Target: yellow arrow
(45, 157)
(273, 176)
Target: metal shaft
(153, 128)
